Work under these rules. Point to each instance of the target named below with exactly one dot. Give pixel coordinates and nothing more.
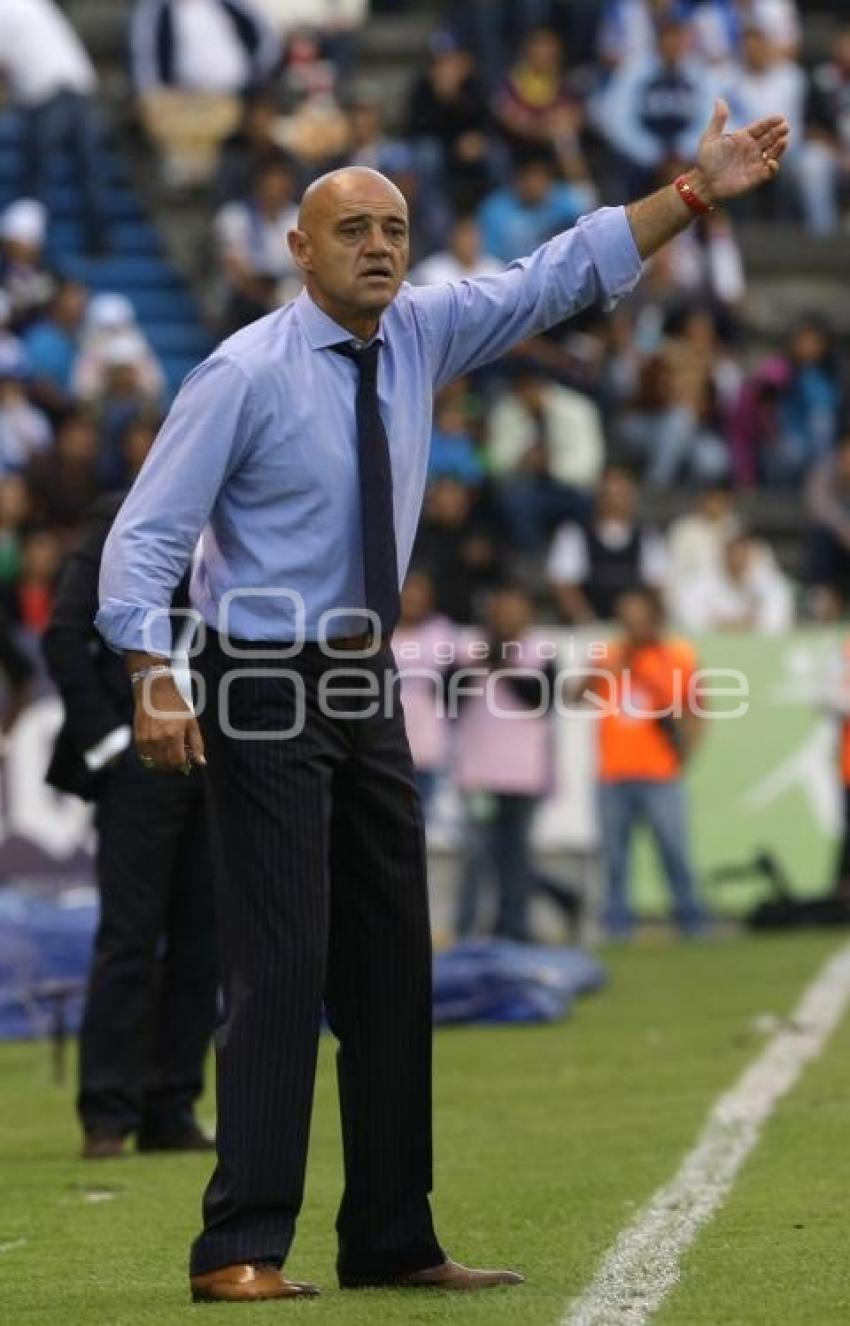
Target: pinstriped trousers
(321, 899)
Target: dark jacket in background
(91, 678)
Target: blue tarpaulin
(45, 947)
(497, 981)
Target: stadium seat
(126, 239)
(63, 170)
(136, 265)
(176, 367)
(179, 338)
(121, 273)
(162, 305)
(66, 201)
(10, 129)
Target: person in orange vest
(641, 685)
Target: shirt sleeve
(152, 540)
(470, 322)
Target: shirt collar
(320, 330)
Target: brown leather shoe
(102, 1146)
(245, 1282)
(449, 1275)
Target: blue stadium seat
(154, 306)
(179, 338)
(10, 128)
(122, 273)
(176, 367)
(135, 266)
(66, 200)
(126, 239)
(63, 169)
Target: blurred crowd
(523, 115)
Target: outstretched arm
(727, 165)
(466, 323)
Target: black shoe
(189, 1137)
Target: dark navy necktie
(380, 563)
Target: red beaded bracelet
(691, 198)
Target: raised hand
(732, 164)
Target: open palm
(732, 164)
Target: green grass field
(548, 1141)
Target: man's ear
(299, 247)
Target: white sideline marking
(13, 1246)
(643, 1265)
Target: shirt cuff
(609, 236)
(112, 744)
(128, 626)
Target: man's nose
(377, 241)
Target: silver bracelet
(155, 670)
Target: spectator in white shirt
(825, 154)
(546, 449)
(591, 565)
(696, 542)
(651, 109)
(24, 279)
(628, 27)
(765, 76)
(110, 317)
(219, 46)
(462, 257)
(192, 61)
(259, 270)
(747, 592)
(780, 19)
(52, 79)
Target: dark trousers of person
(151, 1003)
(67, 117)
(322, 897)
(499, 842)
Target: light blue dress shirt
(258, 455)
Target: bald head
(349, 184)
(352, 245)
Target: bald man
(297, 453)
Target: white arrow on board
(809, 772)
